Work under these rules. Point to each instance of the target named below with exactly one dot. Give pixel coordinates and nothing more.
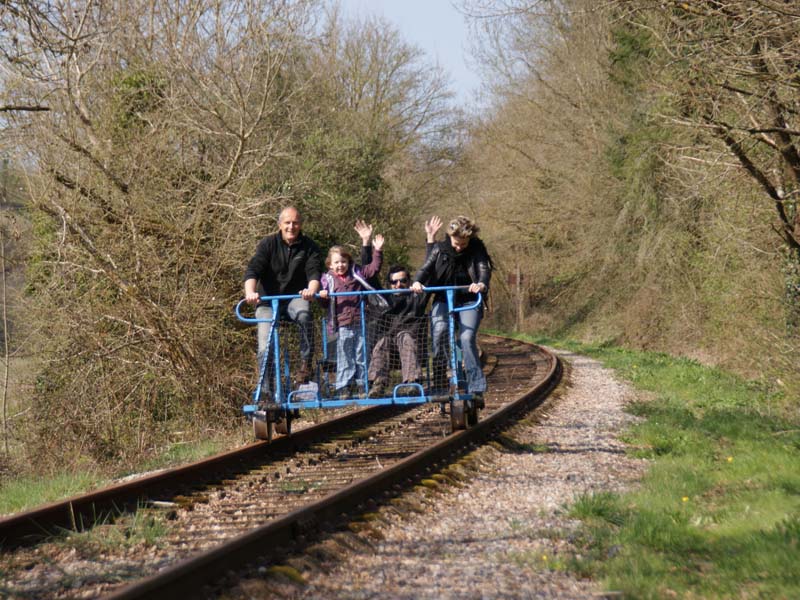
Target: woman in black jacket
(460, 260)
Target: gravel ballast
(503, 532)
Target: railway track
(217, 515)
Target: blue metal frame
(290, 399)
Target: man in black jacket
(400, 327)
(285, 263)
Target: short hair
(463, 227)
(396, 269)
(341, 251)
(290, 207)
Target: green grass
(183, 453)
(718, 513)
(27, 492)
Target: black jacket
(444, 266)
(282, 269)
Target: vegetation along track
(216, 515)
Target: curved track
(220, 513)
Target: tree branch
(23, 108)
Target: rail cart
(278, 397)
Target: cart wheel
(458, 418)
(284, 425)
(471, 409)
(263, 427)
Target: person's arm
(483, 268)
(324, 297)
(364, 231)
(251, 294)
(257, 265)
(311, 290)
(313, 272)
(374, 267)
(366, 254)
(424, 273)
(432, 226)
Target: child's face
(339, 264)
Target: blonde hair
(463, 227)
(341, 251)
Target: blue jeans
(349, 356)
(297, 310)
(467, 323)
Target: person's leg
(378, 364)
(439, 332)
(263, 312)
(407, 349)
(299, 311)
(264, 329)
(469, 321)
(360, 356)
(264, 372)
(345, 357)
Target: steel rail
(189, 576)
(81, 512)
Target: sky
(436, 27)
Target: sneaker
(478, 398)
(377, 390)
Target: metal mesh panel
(396, 351)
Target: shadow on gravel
(509, 445)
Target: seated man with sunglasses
(401, 327)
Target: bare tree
(174, 132)
(536, 157)
(6, 349)
(161, 119)
(630, 148)
(376, 127)
(732, 70)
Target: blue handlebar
(244, 319)
(441, 288)
(477, 303)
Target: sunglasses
(398, 281)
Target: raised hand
(432, 226)
(364, 231)
(377, 243)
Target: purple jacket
(345, 310)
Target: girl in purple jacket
(345, 312)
